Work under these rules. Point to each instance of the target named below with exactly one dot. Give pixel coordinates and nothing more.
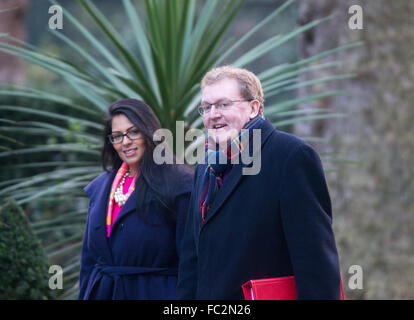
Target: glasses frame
(123, 136)
(202, 113)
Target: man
(275, 223)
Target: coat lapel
(98, 194)
(226, 189)
(234, 177)
(129, 206)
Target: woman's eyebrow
(133, 127)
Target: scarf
(118, 177)
(219, 162)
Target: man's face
(224, 125)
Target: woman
(137, 212)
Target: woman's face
(130, 151)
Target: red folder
(282, 288)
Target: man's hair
(249, 83)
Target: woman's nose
(126, 140)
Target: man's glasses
(118, 137)
(205, 108)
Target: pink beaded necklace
(117, 194)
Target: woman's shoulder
(98, 182)
(182, 178)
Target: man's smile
(219, 126)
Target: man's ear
(255, 108)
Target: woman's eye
(117, 136)
(135, 134)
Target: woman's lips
(130, 153)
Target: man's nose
(214, 112)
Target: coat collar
(234, 177)
(98, 192)
(129, 206)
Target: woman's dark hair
(159, 181)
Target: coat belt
(115, 272)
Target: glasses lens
(134, 134)
(115, 138)
(201, 110)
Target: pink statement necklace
(117, 195)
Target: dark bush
(23, 264)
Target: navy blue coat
(273, 224)
(140, 259)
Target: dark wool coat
(273, 224)
(140, 259)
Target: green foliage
(23, 263)
(175, 44)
